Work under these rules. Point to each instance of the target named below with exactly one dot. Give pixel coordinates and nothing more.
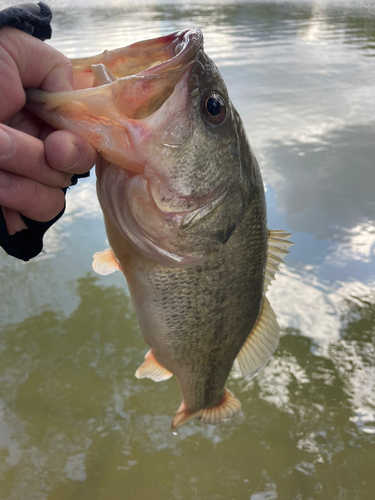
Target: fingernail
(75, 156)
(6, 144)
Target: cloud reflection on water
(75, 421)
(69, 396)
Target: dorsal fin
(105, 262)
(260, 344)
(264, 337)
(278, 243)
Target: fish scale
(184, 209)
(202, 306)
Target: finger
(68, 152)
(24, 121)
(13, 221)
(25, 61)
(32, 199)
(64, 150)
(24, 155)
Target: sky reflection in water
(75, 423)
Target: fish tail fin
(227, 409)
(181, 416)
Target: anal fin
(105, 262)
(260, 344)
(151, 368)
(227, 409)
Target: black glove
(33, 19)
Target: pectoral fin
(227, 409)
(260, 344)
(151, 368)
(105, 262)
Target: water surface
(74, 421)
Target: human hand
(36, 161)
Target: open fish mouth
(118, 90)
(137, 106)
(149, 57)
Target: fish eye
(214, 108)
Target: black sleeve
(35, 20)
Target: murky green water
(74, 421)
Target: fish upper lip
(189, 40)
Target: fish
(184, 207)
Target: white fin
(278, 243)
(260, 344)
(105, 262)
(227, 409)
(151, 368)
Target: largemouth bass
(185, 214)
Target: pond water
(75, 424)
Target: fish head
(176, 170)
